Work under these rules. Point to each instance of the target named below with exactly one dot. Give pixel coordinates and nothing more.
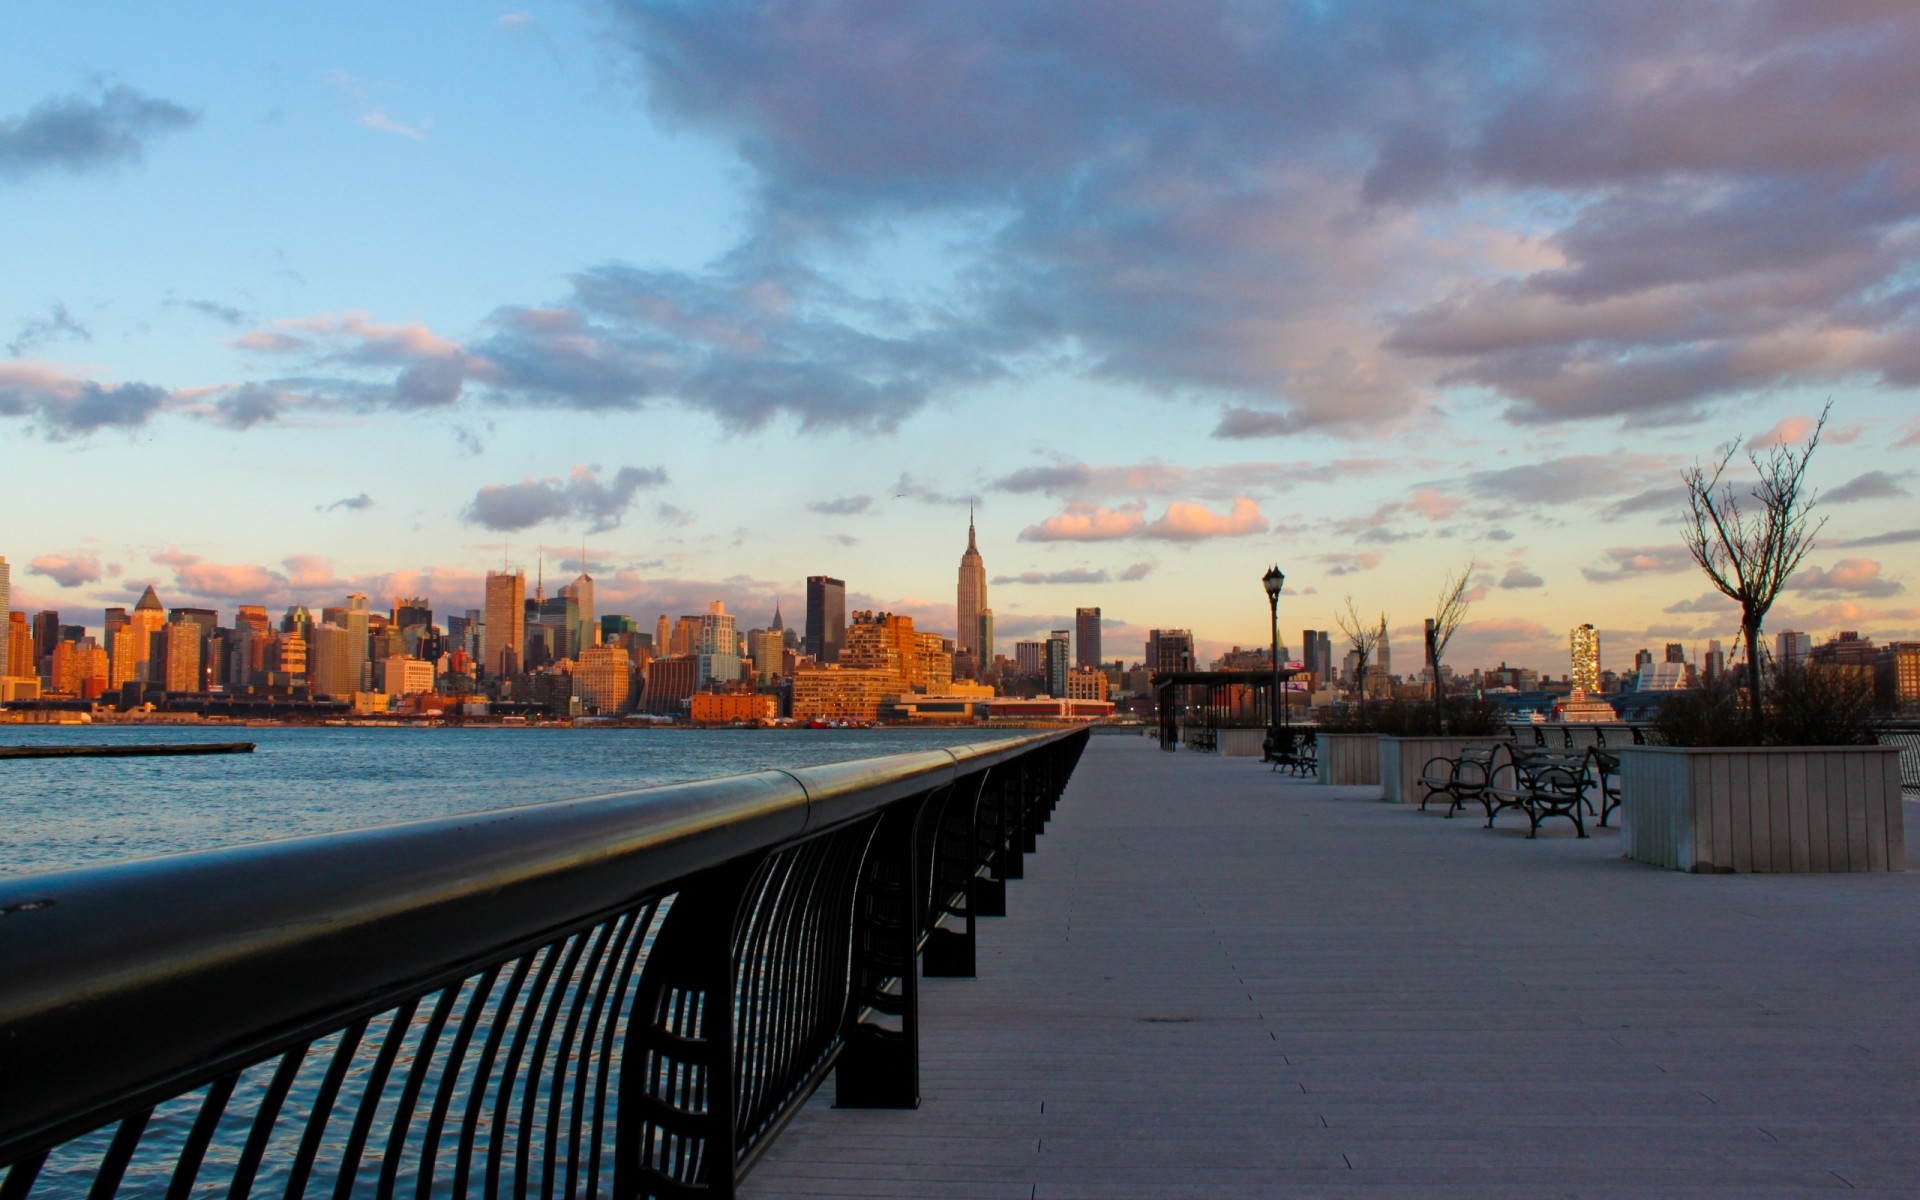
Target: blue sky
(294, 301)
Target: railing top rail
(137, 974)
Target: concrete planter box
(1402, 757)
(1241, 743)
(1720, 810)
(1350, 759)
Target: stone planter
(1350, 759)
(1719, 810)
(1242, 743)
(1401, 759)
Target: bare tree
(1449, 610)
(1362, 639)
(1750, 552)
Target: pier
(1054, 966)
(1219, 982)
(150, 750)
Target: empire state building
(972, 597)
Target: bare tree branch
(1749, 556)
(1362, 639)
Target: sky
(301, 300)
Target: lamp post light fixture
(1273, 581)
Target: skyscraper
(1585, 674)
(983, 648)
(1317, 655)
(972, 597)
(147, 619)
(506, 623)
(717, 654)
(583, 630)
(1791, 648)
(826, 617)
(1056, 663)
(359, 670)
(6, 611)
(1086, 632)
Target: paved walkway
(1217, 983)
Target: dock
(149, 750)
(1216, 981)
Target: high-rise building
(717, 653)
(412, 610)
(826, 617)
(1030, 658)
(46, 635)
(1585, 641)
(583, 629)
(1714, 664)
(506, 623)
(603, 679)
(330, 662)
(1169, 650)
(148, 618)
(1791, 649)
(18, 636)
(1057, 664)
(1086, 634)
(972, 596)
(983, 648)
(767, 647)
(180, 668)
(6, 613)
(359, 667)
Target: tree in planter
(1362, 639)
(1448, 612)
(1749, 552)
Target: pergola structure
(1206, 698)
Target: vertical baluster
(323, 1109)
(410, 1092)
(113, 1164)
(880, 1067)
(186, 1168)
(450, 1080)
(397, 1030)
(264, 1119)
(605, 935)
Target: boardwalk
(1217, 983)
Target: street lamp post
(1274, 580)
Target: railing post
(990, 848)
(677, 1135)
(879, 1063)
(956, 882)
(1032, 797)
(1013, 819)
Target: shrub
(1820, 705)
(1806, 706)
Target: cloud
(1136, 572)
(673, 514)
(1575, 479)
(1432, 505)
(1853, 576)
(78, 133)
(1185, 522)
(226, 314)
(1892, 537)
(1873, 485)
(1630, 562)
(1662, 500)
(1076, 575)
(1518, 576)
(1088, 523)
(359, 503)
(513, 506)
(1706, 602)
(1083, 481)
(842, 506)
(62, 406)
(1349, 562)
(371, 113)
(67, 570)
(57, 325)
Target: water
(57, 813)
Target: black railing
(625, 994)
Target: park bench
(1606, 774)
(1463, 778)
(1298, 753)
(1541, 784)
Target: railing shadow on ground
(629, 993)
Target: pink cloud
(1088, 523)
(1432, 505)
(68, 570)
(1184, 522)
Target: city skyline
(268, 343)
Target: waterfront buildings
(6, 615)
(1086, 635)
(1056, 663)
(826, 617)
(505, 623)
(1585, 674)
(971, 600)
(146, 621)
(1791, 648)
(717, 653)
(604, 679)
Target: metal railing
(624, 994)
